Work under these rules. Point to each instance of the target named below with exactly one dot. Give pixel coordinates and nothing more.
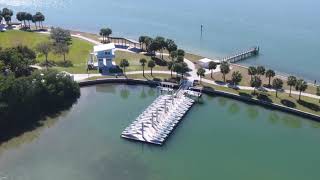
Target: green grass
(306, 104)
(79, 50)
(134, 61)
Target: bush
(116, 70)
(66, 63)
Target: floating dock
(242, 56)
(160, 118)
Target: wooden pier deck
(242, 56)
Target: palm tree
(236, 77)
(225, 69)
(161, 42)
(184, 68)
(7, 14)
(141, 41)
(292, 81)
(35, 19)
(201, 72)
(21, 16)
(44, 48)
(171, 46)
(255, 83)
(212, 66)
(105, 33)
(124, 63)
(173, 55)
(261, 70)
(270, 74)
(180, 52)
(277, 84)
(171, 66)
(252, 71)
(143, 64)
(29, 18)
(318, 92)
(151, 65)
(301, 86)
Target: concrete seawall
(209, 92)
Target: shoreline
(207, 91)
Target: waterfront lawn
(306, 104)
(246, 78)
(78, 54)
(134, 61)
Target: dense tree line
(24, 17)
(26, 96)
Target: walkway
(192, 74)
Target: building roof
(206, 60)
(104, 47)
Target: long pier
(242, 56)
(158, 120)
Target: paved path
(192, 75)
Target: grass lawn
(306, 104)
(246, 78)
(79, 50)
(134, 61)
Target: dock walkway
(242, 56)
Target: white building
(102, 57)
(204, 63)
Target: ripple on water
(36, 3)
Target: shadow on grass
(245, 94)
(159, 61)
(288, 103)
(309, 105)
(264, 97)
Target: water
(286, 30)
(219, 139)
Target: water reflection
(222, 101)
(124, 93)
(152, 92)
(234, 108)
(143, 93)
(274, 118)
(106, 88)
(291, 121)
(252, 112)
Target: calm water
(286, 30)
(219, 139)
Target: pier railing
(242, 55)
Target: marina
(158, 120)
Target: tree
(60, 36)
(35, 19)
(171, 66)
(147, 41)
(143, 64)
(7, 14)
(292, 81)
(173, 55)
(184, 68)
(255, 83)
(236, 77)
(29, 18)
(1, 17)
(180, 59)
(277, 84)
(225, 69)
(124, 63)
(61, 49)
(301, 86)
(270, 74)
(40, 18)
(171, 46)
(261, 70)
(105, 33)
(201, 72)
(44, 48)
(21, 16)
(151, 65)
(161, 44)
(181, 52)
(212, 66)
(318, 92)
(177, 67)
(141, 41)
(252, 71)
(17, 60)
